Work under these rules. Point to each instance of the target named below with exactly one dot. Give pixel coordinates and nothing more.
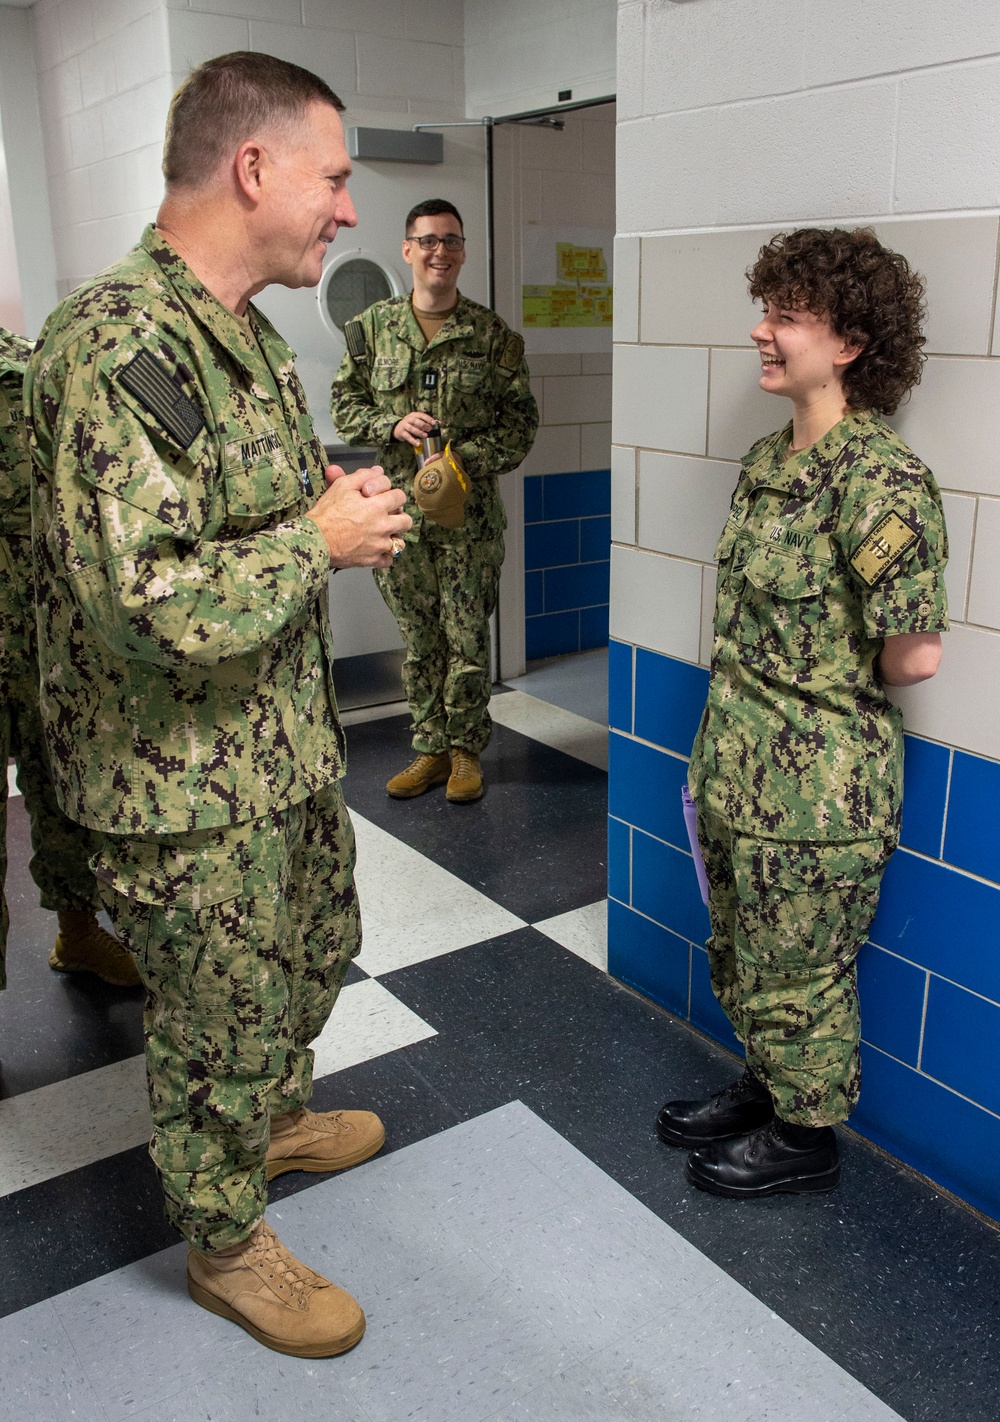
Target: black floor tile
(535, 843)
(52, 1025)
(885, 1276)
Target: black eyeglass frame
(428, 242)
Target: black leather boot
(740, 1107)
(779, 1158)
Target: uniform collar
(457, 327)
(14, 352)
(800, 473)
(228, 330)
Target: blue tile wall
(892, 991)
(665, 887)
(925, 794)
(954, 1015)
(567, 544)
(644, 788)
(971, 840)
(953, 1141)
(620, 685)
(669, 700)
(593, 627)
(619, 860)
(655, 963)
(930, 977)
(942, 920)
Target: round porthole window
(349, 286)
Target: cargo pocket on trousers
(166, 903)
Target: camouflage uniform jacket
(17, 611)
(824, 554)
(15, 483)
(472, 377)
(186, 650)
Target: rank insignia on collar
(163, 397)
(891, 537)
(430, 380)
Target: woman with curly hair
(830, 588)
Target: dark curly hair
(870, 296)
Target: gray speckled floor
(504, 1277)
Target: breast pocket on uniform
(261, 482)
(782, 612)
(468, 375)
(388, 375)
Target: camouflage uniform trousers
(243, 936)
(442, 594)
(788, 920)
(61, 849)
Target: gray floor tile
(142, 1339)
(592, 1275)
(450, 1347)
(725, 1357)
(41, 1378)
(574, 1395)
(275, 1387)
(504, 1276)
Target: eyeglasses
(430, 243)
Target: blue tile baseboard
(567, 548)
(930, 977)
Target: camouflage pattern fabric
(60, 849)
(473, 379)
(798, 740)
(186, 654)
(797, 765)
(243, 936)
(788, 921)
(443, 598)
(187, 693)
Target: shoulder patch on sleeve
(891, 537)
(354, 335)
(163, 397)
(513, 353)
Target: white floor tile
(72, 1123)
(412, 909)
(85, 1118)
(367, 1022)
(583, 931)
(562, 730)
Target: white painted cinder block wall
(736, 118)
(520, 53)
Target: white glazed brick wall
(520, 53)
(732, 125)
(104, 87)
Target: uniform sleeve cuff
(307, 546)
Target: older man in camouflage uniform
(61, 849)
(183, 540)
(437, 358)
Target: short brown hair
(869, 294)
(227, 100)
(432, 207)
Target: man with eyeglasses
(413, 364)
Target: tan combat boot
(278, 1300)
(83, 946)
(420, 775)
(466, 779)
(320, 1141)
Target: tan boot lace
(286, 1274)
(463, 764)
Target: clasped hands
(360, 516)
